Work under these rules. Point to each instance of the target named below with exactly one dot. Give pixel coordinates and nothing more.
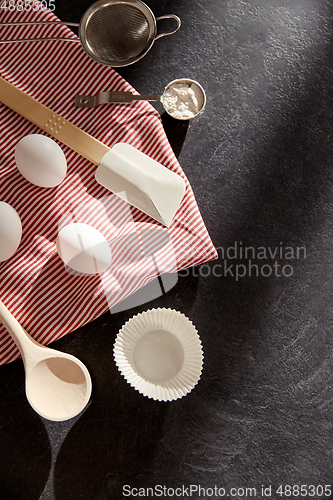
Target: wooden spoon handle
(21, 338)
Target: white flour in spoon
(181, 100)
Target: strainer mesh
(117, 32)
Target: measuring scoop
(182, 99)
(57, 385)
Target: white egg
(41, 160)
(83, 248)
(10, 231)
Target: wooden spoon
(57, 385)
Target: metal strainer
(113, 32)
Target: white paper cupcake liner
(159, 353)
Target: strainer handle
(32, 23)
(168, 16)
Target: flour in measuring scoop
(181, 100)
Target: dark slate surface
(260, 161)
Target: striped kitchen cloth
(47, 299)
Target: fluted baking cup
(159, 353)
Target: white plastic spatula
(132, 175)
(142, 181)
(57, 385)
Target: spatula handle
(52, 123)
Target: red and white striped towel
(45, 298)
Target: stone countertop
(260, 162)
